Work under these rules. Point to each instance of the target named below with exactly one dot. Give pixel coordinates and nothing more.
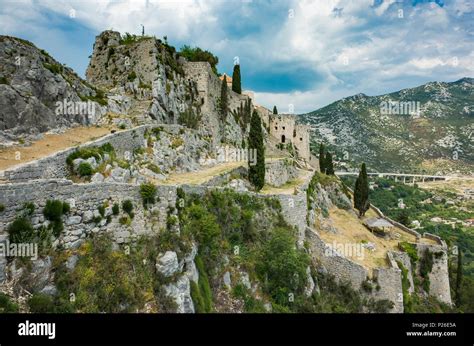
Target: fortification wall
(439, 275)
(343, 269)
(85, 200)
(390, 283)
(54, 166)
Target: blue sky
(307, 53)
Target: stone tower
(284, 128)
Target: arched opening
(283, 138)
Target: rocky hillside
(31, 84)
(437, 139)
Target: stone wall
(84, 200)
(439, 276)
(283, 127)
(55, 167)
(343, 269)
(390, 283)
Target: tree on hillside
(322, 166)
(361, 192)
(275, 110)
(328, 165)
(255, 144)
(459, 279)
(224, 101)
(236, 83)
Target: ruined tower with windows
(284, 128)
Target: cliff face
(31, 84)
(145, 70)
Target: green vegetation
(85, 169)
(2, 208)
(53, 211)
(21, 231)
(4, 80)
(6, 305)
(255, 142)
(411, 251)
(127, 207)
(282, 267)
(361, 192)
(322, 160)
(224, 99)
(190, 118)
(201, 292)
(236, 82)
(41, 303)
(426, 265)
(115, 209)
(197, 54)
(148, 193)
(275, 110)
(407, 301)
(88, 152)
(328, 165)
(54, 68)
(132, 76)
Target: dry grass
(49, 144)
(352, 231)
(201, 176)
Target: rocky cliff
(31, 85)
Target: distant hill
(438, 138)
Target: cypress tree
(459, 280)
(236, 84)
(328, 165)
(224, 101)
(322, 166)
(275, 110)
(255, 143)
(361, 192)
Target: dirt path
(204, 175)
(201, 176)
(49, 144)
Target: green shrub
(2, 208)
(21, 231)
(411, 251)
(3, 80)
(28, 208)
(132, 76)
(54, 68)
(282, 266)
(154, 168)
(41, 303)
(127, 206)
(203, 293)
(53, 210)
(101, 209)
(6, 305)
(115, 209)
(148, 192)
(85, 169)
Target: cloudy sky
(307, 53)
